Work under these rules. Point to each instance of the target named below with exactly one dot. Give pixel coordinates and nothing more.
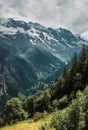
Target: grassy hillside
(30, 124)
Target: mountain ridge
(35, 54)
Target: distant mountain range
(32, 55)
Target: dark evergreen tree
(64, 71)
(29, 106)
(45, 102)
(81, 60)
(74, 63)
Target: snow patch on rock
(84, 35)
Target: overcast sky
(70, 14)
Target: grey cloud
(59, 13)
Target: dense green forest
(69, 92)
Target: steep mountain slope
(32, 55)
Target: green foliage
(45, 103)
(40, 102)
(68, 120)
(74, 62)
(43, 128)
(14, 111)
(63, 102)
(55, 104)
(60, 103)
(76, 116)
(29, 106)
(39, 115)
(84, 107)
(65, 71)
(60, 122)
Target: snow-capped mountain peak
(4, 21)
(53, 40)
(84, 35)
(31, 54)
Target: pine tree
(81, 61)
(65, 71)
(74, 62)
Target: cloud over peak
(59, 13)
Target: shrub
(14, 111)
(63, 102)
(39, 115)
(61, 122)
